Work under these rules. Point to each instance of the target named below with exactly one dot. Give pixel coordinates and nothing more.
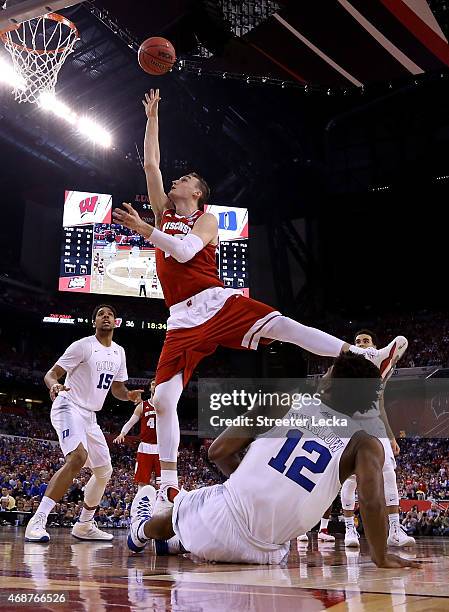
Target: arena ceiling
(241, 137)
(339, 42)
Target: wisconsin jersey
(288, 477)
(180, 281)
(91, 369)
(148, 424)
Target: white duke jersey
(91, 369)
(289, 476)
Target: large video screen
(98, 256)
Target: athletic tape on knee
(348, 493)
(93, 491)
(390, 488)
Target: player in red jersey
(203, 313)
(147, 461)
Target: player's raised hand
(128, 217)
(135, 396)
(119, 439)
(151, 103)
(394, 561)
(56, 389)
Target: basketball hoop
(38, 49)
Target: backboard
(17, 11)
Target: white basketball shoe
(397, 536)
(165, 498)
(142, 509)
(88, 530)
(303, 538)
(352, 537)
(323, 536)
(35, 530)
(385, 358)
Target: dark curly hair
(356, 383)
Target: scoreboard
(234, 264)
(100, 257)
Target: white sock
(141, 533)
(324, 523)
(46, 506)
(169, 477)
(349, 522)
(393, 519)
(311, 339)
(86, 515)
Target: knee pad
(348, 493)
(93, 491)
(390, 488)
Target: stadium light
(94, 131)
(48, 102)
(9, 76)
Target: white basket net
(38, 49)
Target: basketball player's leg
(348, 505)
(397, 536)
(323, 533)
(144, 470)
(311, 339)
(56, 489)
(249, 321)
(99, 461)
(165, 401)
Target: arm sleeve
(181, 248)
(122, 374)
(130, 424)
(75, 354)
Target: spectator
(10, 501)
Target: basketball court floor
(122, 273)
(318, 576)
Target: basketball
(156, 55)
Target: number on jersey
(294, 471)
(105, 381)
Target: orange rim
(52, 17)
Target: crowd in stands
(424, 472)
(431, 522)
(26, 466)
(427, 333)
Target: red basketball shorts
(146, 465)
(239, 323)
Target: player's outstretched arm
(51, 379)
(158, 198)
(134, 418)
(119, 390)
(369, 460)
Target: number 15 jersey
(289, 476)
(91, 369)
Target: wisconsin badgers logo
(88, 205)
